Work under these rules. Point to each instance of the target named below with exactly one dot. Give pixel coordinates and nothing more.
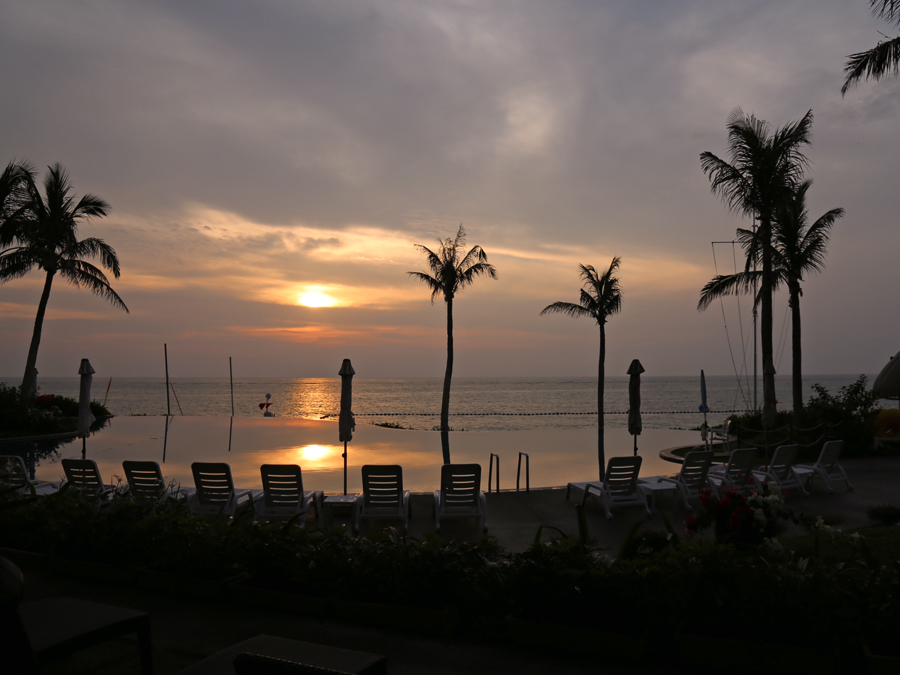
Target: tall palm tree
(451, 272)
(45, 236)
(884, 58)
(763, 174)
(798, 251)
(601, 297)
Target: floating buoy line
(546, 414)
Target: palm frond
(567, 308)
(97, 248)
(467, 276)
(16, 263)
(431, 258)
(727, 284)
(889, 10)
(599, 297)
(83, 267)
(90, 206)
(79, 276)
(876, 63)
(433, 284)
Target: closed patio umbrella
(85, 417)
(887, 384)
(346, 421)
(634, 401)
(704, 408)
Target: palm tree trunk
(768, 411)
(796, 353)
(29, 381)
(448, 374)
(601, 374)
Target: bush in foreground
(658, 585)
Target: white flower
(772, 547)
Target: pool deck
(185, 631)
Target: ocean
(476, 403)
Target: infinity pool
(557, 456)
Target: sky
(254, 153)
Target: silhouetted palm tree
(763, 174)
(798, 251)
(601, 297)
(451, 272)
(45, 236)
(884, 58)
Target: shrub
(847, 415)
(853, 408)
(884, 514)
(45, 414)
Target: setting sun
(315, 299)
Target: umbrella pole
(635, 445)
(345, 467)
(83, 447)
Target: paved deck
(186, 631)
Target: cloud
(253, 153)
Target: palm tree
(45, 236)
(600, 298)
(798, 250)
(762, 175)
(451, 272)
(884, 58)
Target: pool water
(557, 456)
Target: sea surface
(476, 403)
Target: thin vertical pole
(755, 404)
(168, 402)
(231, 377)
(345, 467)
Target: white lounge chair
(737, 474)
(826, 466)
(460, 495)
(781, 470)
(693, 477)
(84, 476)
(283, 496)
(215, 494)
(145, 480)
(722, 435)
(621, 486)
(383, 495)
(14, 475)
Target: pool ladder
(494, 456)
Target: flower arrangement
(747, 521)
